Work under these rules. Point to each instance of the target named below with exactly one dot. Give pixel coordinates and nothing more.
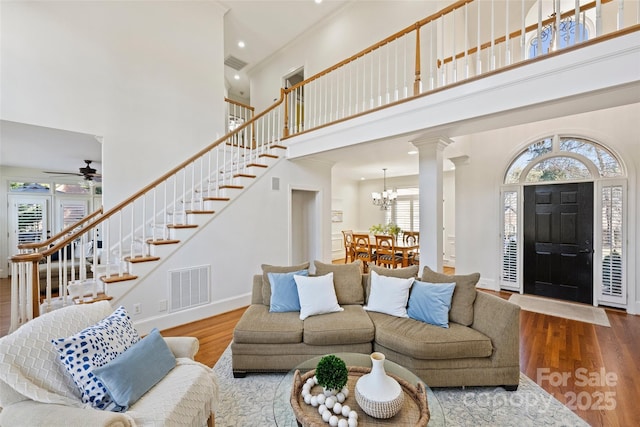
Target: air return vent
(189, 287)
(235, 63)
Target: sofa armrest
(33, 414)
(183, 346)
(499, 319)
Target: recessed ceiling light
(318, 1)
(412, 152)
(237, 76)
(241, 43)
(362, 178)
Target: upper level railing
(464, 41)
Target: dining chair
(363, 249)
(410, 238)
(386, 251)
(349, 254)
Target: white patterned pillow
(92, 348)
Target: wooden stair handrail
(46, 243)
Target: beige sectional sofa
(480, 347)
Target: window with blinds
(31, 222)
(510, 238)
(72, 212)
(406, 211)
(612, 242)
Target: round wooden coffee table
(285, 417)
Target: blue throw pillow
(431, 302)
(93, 347)
(284, 293)
(129, 376)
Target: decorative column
(431, 162)
(460, 232)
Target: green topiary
(332, 373)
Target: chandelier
(385, 199)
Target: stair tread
(116, 278)
(101, 296)
(244, 175)
(272, 156)
(182, 226)
(199, 212)
(217, 199)
(257, 165)
(163, 241)
(237, 187)
(137, 259)
(278, 146)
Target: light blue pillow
(284, 293)
(130, 375)
(93, 347)
(431, 302)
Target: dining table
(400, 247)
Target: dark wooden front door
(558, 241)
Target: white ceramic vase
(379, 395)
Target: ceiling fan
(87, 172)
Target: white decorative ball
(307, 399)
(329, 402)
(337, 408)
(314, 401)
(353, 422)
(321, 409)
(346, 410)
(345, 391)
(329, 392)
(311, 382)
(353, 414)
(315, 379)
(341, 397)
(343, 423)
(333, 421)
(321, 398)
(326, 415)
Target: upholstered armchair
(36, 389)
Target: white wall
(344, 198)
(490, 153)
(147, 76)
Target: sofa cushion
(266, 285)
(134, 372)
(317, 295)
(402, 273)
(464, 293)
(389, 295)
(93, 347)
(347, 279)
(258, 326)
(423, 341)
(431, 302)
(351, 326)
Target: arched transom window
(563, 159)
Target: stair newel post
(416, 82)
(120, 242)
(202, 182)
(193, 186)
(95, 263)
(154, 214)
(285, 131)
(208, 176)
(175, 197)
(133, 229)
(184, 193)
(143, 243)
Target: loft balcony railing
(467, 40)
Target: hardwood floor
(592, 369)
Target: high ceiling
(266, 26)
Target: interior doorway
(304, 226)
(296, 99)
(558, 241)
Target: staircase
(119, 247)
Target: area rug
(568, 310)
(248, 402)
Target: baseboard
(171, 320)
(490, 284)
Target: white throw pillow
(317, 295)
(389, 295)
